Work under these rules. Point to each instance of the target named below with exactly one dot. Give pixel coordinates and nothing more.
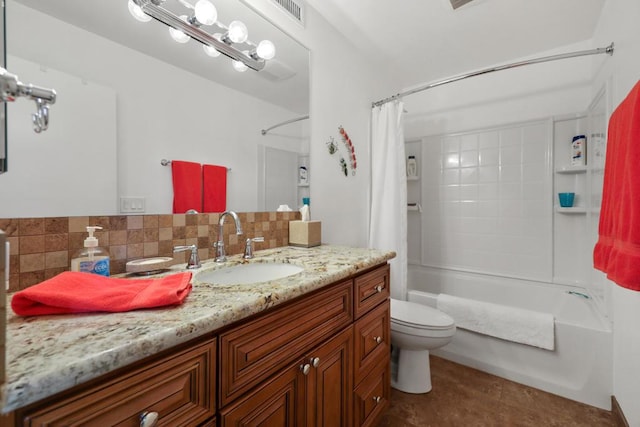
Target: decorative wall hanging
(334, 148)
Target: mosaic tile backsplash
(43, 247)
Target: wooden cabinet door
(278, 403)
(329, 382)
(254, 351)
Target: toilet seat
(412, 315)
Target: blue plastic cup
(305, 200)
(566, 199)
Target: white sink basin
(248, 273)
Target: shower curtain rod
(608, 50)
(264, 131)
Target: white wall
(619, 23)
(44, 171)
(162, 112)
(514, 95)
(343, 85)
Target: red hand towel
(75, 292)
(214, 180)
(617, 251)
(187, 186)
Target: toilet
(416, 329)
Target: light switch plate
(131, 204)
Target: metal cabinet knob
(315, 361)
(377, 399)
(149, 419)
(306, 368)
(378, 340)
(379, 288)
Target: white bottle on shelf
(412, 167)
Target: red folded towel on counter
(214, 181)
(75, 292)
(617, 251)
(187, 186)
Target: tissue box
(305, 233)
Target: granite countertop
(49, 354)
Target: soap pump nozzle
(91, 242)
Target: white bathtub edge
(583, 375)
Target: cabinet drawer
(373, 339)
(371, 289)
(178, 387)
(371, 396)
(253, 351)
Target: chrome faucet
(219, 245)
(194, 259)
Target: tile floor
(465, 397)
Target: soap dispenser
(92, 258)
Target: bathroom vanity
(308, 349)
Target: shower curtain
(388, 216)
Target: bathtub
(580, 367)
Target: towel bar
(165, 162)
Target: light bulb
(137, 12)
(266, 49)
(239, 66)
(178, 35)
(210, 50)
(206, 12)
(238, 32)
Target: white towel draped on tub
(514, 324)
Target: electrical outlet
(131, 204)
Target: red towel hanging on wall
(187, 186)
(214, 181)
(617, 251)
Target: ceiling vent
(457, 3)
(295, 9)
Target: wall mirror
(129, 96)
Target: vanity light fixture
(231, 41)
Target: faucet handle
(248, 247)
(194, 259)
(221, 255)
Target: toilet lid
(419, 316)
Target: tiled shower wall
(487, 205)
(43, 247)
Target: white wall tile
(469, 158)
(489, 156)
(511, 155)
(510, 173)
(488, 174)
(493, 210)
(469, 142)
(451, 144)
(469, 176)
(451, 160)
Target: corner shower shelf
(572, 169)
(573, 210)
